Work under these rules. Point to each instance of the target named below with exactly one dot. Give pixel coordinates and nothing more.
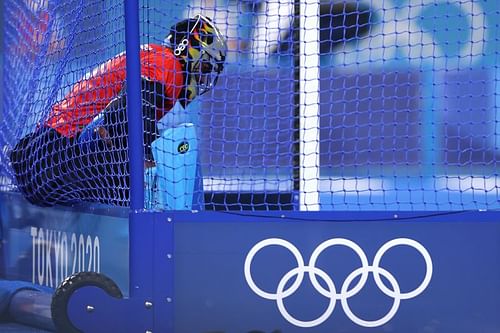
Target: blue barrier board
(281, 272)
(387, 273)
(45, 245)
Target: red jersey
(93, 93)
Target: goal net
(322, 105)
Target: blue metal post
(134, 106)
(140, 228)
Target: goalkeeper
(80, 152)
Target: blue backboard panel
(406, 274)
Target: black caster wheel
(68, 287)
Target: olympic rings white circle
(392, 311)
(428, 264)
(281, 305)
(331, 292)
(262, 244)
(345, 242)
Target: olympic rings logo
(181, 47)
(346, 290)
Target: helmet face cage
(206, 72)
(202, 47)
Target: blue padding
(151, 190)
(176, 177)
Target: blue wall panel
(212, 292)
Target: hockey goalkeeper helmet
(201, 46)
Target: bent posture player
(79, 153)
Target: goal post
(309, 105)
